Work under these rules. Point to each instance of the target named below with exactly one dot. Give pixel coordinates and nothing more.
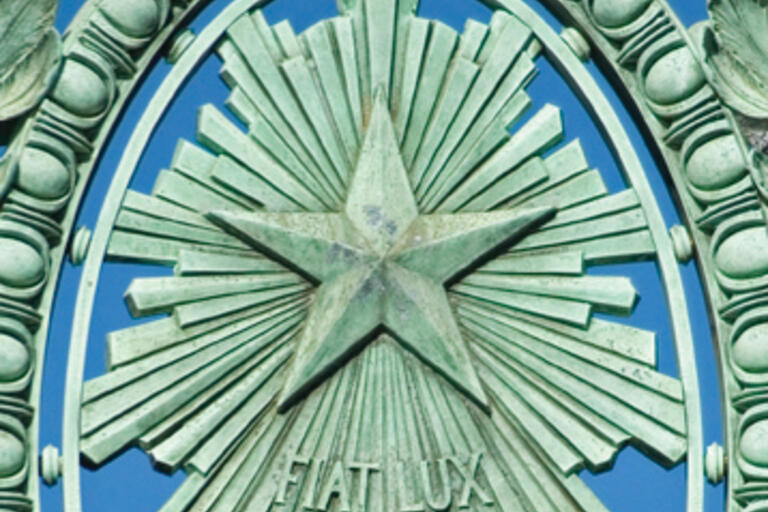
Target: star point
(346, 314)
(380, 202)
(459, 241)
(320, 246)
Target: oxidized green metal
(382, 267)
(379, 298)
(310, 254)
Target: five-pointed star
(382, 268)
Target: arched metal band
(38, 220)
(589, 92)
(186, 65)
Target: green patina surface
(382, 266)
(380, 299)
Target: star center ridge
(381, 267)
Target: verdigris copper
(380, 299)
(382, 267)
(29, 56)
(268, 399)
(29, 61)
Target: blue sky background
(129, 484)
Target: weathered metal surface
(380, 297)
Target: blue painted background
(129, 484)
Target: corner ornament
(30, 54)
(30, 51)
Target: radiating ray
(216, 132)
(181, 384)
(261, 63)
(181, 190)
(288, 41)
(343, 31)
(418, 37)
(442, 43)
(134, 343)
(568, 311)
(155, 295)
(319, 42)
(187, 315)
(305, 88)
(452, 97)
(668, 440)
(199, 166)
(152, 249)
(237, 73)
(544, 130)
(196, 263)
(493, 89)
(162, 209)
(608, 294)
(519, 180)
(139, 223)
(174, 449)
(567, 263)
(629, 342)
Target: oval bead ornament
(20, 264)
(138, 18)
(617, 13)
(43, 175)
(12, 454)
(14, 358)
(749, 349)
(744, 254)
(716, 164)
(81, 90)
(754, 444)
(674, 77)
(752, 450)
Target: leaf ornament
(9, 161)
(30, 51)
(736, 54)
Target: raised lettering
(365, 470)
(470, 483)
(314, 473)
(443, 502)
(336, 486)
(288, 477)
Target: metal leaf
(30, 50)
(737, 55)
